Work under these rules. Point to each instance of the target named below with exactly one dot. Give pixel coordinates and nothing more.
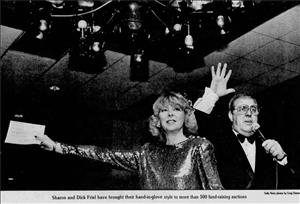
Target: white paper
(23, 133)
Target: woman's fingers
(45, 142)
(42, 140)
(38, 138)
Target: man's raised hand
(220, 79)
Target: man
(244, 161)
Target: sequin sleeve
(127, 160)
(208, 164)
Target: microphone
(255, 128)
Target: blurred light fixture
(18, 115)
(43, 28)
(134, 24)
(58, 4)
(43, 25)
(188, 41)
(177, 27)
(96, 47)
(134, 16)
(182, 27)
(237, 4)
(89, 59)
(223, 24)
(139, 66)
(86, 3)
(198, 4)
(82, 28)
(87, 54)
(54, 88)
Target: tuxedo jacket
(232, 164)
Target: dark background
(108, 109)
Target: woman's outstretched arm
(124, 159)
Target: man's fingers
(228, 75)
(266, 144)
(223, 72)
(228, 91)
(213, 74)
(218, 69)
(272, 151)
(272, 147)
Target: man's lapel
(240, 155)
(260, 155)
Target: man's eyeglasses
(243, 109)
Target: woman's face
(171, 118)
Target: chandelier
(181, 29)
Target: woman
(179, 160)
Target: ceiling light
(199, 4)
(18, 116)
(43, 25)
(42, 29)
(54, 88)
(237, 4)
(86, 3)
(134, 16)
(96, 47)
(222, 22)
(82, 24)
(189, 41)
(58, 4)
(139, 66)
(177, 27)
(96, 28)
(180, 27)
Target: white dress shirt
(250, 151)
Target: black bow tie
(250, 139)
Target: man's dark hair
(237, 96)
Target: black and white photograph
(150, 100)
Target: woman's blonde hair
(190, 126)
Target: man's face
(242, 121)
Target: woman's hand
(46, 143)
(219, 80)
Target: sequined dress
(188, 165)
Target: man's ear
(230, 116)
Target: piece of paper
(23, 133)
